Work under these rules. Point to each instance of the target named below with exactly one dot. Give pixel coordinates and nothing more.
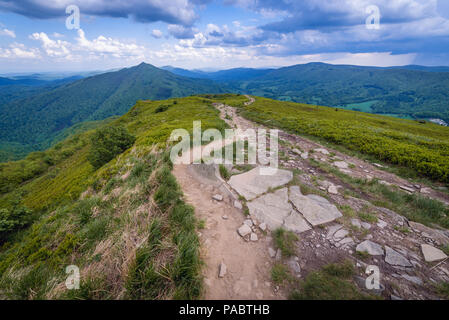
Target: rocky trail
(238, 250)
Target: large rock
(296, 223)
(315, 209)
(371, 248)
(271, 208)
(432, 254)
(396, 259)
(252, 184)
(274, 210)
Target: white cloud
(157, 34)
(53, 48)
(104, 46)
(19, 51)
(8, 33)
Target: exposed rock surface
(315, 209)
(396, 259)
(252, 184)
(371, 248)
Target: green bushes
(107, 143)
(13, 220)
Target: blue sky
(218, 34)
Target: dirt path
(248, 263)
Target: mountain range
(35, 112)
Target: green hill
(34, 122)
(403, 92)
(123, 220)
(57, 209)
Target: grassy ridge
(129, 213)
(423, 148)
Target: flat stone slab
(371, 248)
(252, 184)
(271, 208)
(296, 223)
(274, 211)
(432, 254)
(396, 259)
(315, 209)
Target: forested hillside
(34, 122)
(409, 92)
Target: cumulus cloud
(171, 11)
(180, 32)
(19, 51)
(7, 33)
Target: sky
(43, 35)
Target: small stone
(218, 197)
(332, 189)
(432, 254)
(305, 155)
(263, 226)
(248, 222)
(340, 234)
(366, 225)
(332, 229)
(244, 230)
(405, 188)
(271, 252)
(238, 205)
(222, 270)
(425, 190)
(296, 151)
(253, 237)
(393, 297)
(378, 165)
(225, 217)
